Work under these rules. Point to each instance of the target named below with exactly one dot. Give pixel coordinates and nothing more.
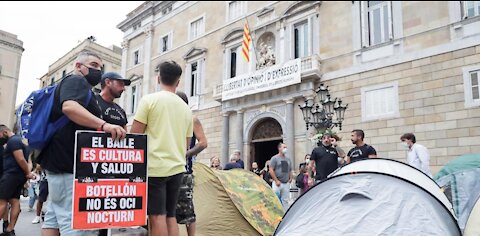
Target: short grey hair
(3, 128)
(84, 54)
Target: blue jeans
(32, 194)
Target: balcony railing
(310, 67)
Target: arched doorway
(265, 137)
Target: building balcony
(310, 68)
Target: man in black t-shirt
(324, 158)
(57, 158)
(361, 150)
(113, 86)
(15, 174)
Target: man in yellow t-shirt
(168, 123)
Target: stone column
(123, 71)
(225, 138)
(147, 59)
(290, 130)
(239, 131)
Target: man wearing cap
(113, 86)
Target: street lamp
(321, 115)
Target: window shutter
(390, 20)
(188, 79)
(364, 23)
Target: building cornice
(12, 45)
(86, 44)
(149, 8)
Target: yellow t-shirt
(169, 123)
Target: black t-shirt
(10, 165)
(326, 161)
(58, 155)
(1, 160)
(111, 112)
(361, 153)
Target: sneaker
(30, 209)
(36, 220)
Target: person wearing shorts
(185, 208)
(42, 194)
(15, 174)
(57, 157)
(168, 122)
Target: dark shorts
(11, 186)
(163, 195)
(43, 191)
(185, 209)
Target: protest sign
(110, 184)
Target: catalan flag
(246, 43)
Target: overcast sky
(51, 29)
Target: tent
(233, 202)
(372, 197)
(459, 179)
(472, 227)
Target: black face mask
(94, 76)
(3, 141)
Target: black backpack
(299, 180)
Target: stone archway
(265, 136)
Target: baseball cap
(115, 76)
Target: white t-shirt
(419, 158)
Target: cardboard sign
(110, 185)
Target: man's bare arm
(272, 174)
(138, 127)
(79, 115)
(20, 159)
(200, 135)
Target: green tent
(233, 202)
(459, 179)
(465, 162)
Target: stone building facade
(11, 50)
(111, 58)
(399, 69)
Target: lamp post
(320, 115)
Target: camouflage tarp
(253, 198)
(234, 202)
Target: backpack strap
(63, 120)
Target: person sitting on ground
(233, 164)
(238, 158)
(255, 169)
(215, 163)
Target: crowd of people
(170, 173)
(159, 115)
(324, 159)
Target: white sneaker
(36, 220)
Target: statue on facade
(267, 56)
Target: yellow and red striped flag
(246, 43)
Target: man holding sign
(57, 157)
(113, 86)
(167, 121)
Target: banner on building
(110, 184)
(274, 77)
